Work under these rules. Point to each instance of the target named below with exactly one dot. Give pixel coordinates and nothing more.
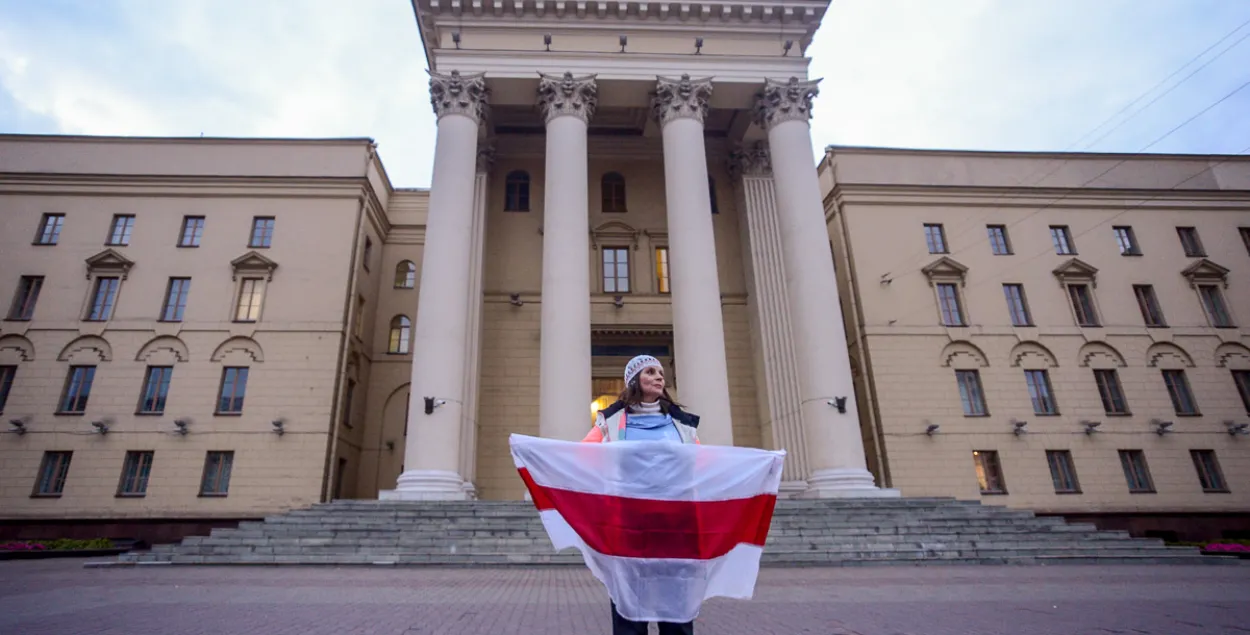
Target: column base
(845, 483)
(427, 485)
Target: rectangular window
(989, 472)
(970, 393)
(1127, 241)
(23, 307)
(999, 245)
(1063, 472)
(262, 231)
(1190, 242)
(1209, 474)
(615, 270)
(1016, 305)
(1136, 472)
(52, 473)
(948, 303)
(1178, 389)
(1213, 304)
(103, 299)
(233, 389)
(77, 389)
(935, 238)
(1240, 377)
(251, 295)
(135, 471)
(1148, 303)
(155, 389)
(7, 373)
(1245, 237)
(175, 299)
(192, 231)
(360, 317)
(1062, 239)
(347, 403)
(1040, 392)
(1112, 394)
(216, 481)
(50, 229)
(368, 255)
(661, 269)
(1083, 305)
(119, 231)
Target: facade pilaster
(473, 343)
(834, 448)
(679, 106)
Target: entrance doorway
(611, 348)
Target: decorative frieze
(677, 98)
(753, 160)
(785, 101)
(568, 95)
(457, 94)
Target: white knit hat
(637, 364)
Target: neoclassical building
(204, 330)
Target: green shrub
(68, 544)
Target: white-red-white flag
(663, 525)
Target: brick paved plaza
(61, 597)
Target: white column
(473, 343)
(568, 103)
(431, 458)
(835, 449)
(679, 107)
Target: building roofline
(63, 138)
(1032, 154)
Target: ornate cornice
(457, 94)
(678, 98)
(486, 157)
(560, 95)
(785, 101)
(753, 160)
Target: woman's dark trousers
(622, 626)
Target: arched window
(517, 192)
(711, 192)
(613, 186)
(405, 274)
(401, 334)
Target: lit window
(989, 472)
(401, 334)
(661, 269)
(251, 296)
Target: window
(948, 303)
(1148, 303)
(1213, 304)
(360, 317)
(935, 238)
(1062, 239)
(1063, 472)
(192, 231)
(347, 402)
(711, 194)
(119, 232)
(1083, 305)
(970, 393)
(50, 229)
(517, 192)
(1016, 305)
(1190, 242)
(1209, 474)
(401, 335)
(52, 473)
(135, 471)
(103, 299)
(1136, 472)
(1127, 241)
(613, 186)
(1040, 392)
(615, 270)
(262, 231)
(661, 270)
(216, 480)
(155, 389)
(23, 307)
(1245, 237)
(233, 388)
(251, 295)
(999, 244)
(1240, 377)
(1178, 389)
(1112, 394)
(7, 373)
(368, 255)
(989, 472)
(175, 299)
(77, 389)
(405, 274)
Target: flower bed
(59, 548)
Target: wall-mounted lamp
(698, 46)
(624, 40)
(547, 41)
(431, 403)
(932, 429)
(1235, 429)
(279, 426)
(839, 403)
(618, 301)
(785, 48)
(455, 37)
(101, 427)
(180, 426)
(1091, 426)
(515, 300)
(18, 425)
(1161, 427)
(1019, 427)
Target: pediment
(252, 262)
(1075, 270)
(1204, 270)
(109, 261)
(945, 269)
(614, 231)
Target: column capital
(683, 97)
(456, 94)
(752, 160)
(785, 101)
(486, 157)
(560, 95)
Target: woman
(644, 412)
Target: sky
(957, 74)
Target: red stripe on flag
(646, 528)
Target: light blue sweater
(645, 422)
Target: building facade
(203, 330)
